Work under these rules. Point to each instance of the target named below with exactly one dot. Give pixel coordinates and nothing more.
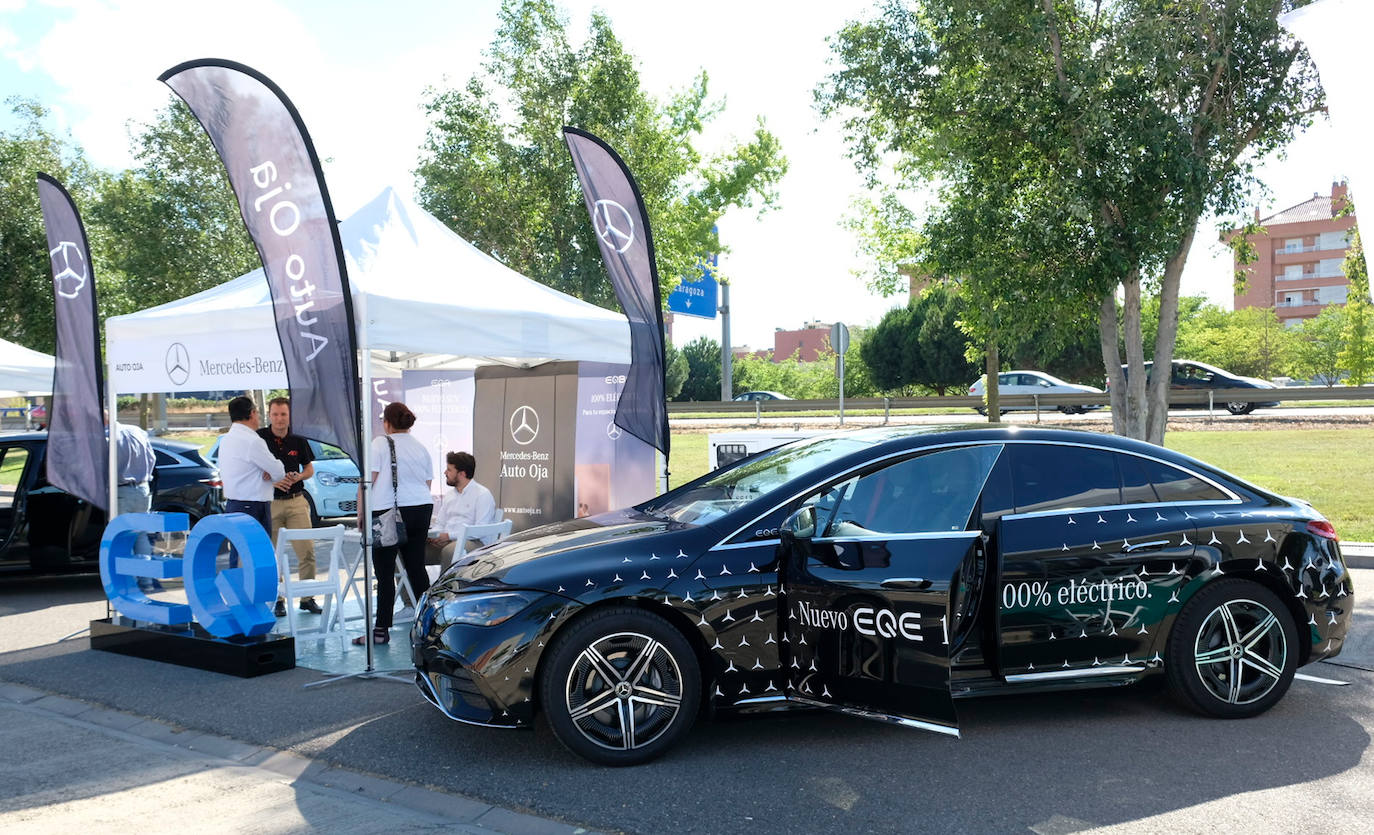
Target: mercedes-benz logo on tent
(178, 364)
(524, 425)
(614, 225)
(69, 269)
(612, 431)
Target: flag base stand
(188, 645)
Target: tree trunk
(1111, 360)
(143, 412)
(994, 364)
(1137, 404)
(1164, 339)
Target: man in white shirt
(247, 468)
(465, 503)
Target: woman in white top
(414, 470)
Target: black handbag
(389, 529)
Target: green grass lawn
(1331, 468)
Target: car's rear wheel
(1233, 650)
(1240, 408)
(1071, 410)
(621, 686)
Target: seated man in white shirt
(463, 502)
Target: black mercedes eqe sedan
(888, 573)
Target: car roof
(41, 435)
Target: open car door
(868, 566)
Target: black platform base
(194, 647)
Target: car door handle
(906, 583)
(1153, 545)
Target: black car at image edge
(886, 573)
(43, 528)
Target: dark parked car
(887, 573)
(43, 528)
(1194, 376)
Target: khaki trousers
(295, 513)
(442, 555)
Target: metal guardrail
(1048, 402)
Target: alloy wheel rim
(624, 691)
(1241, 652)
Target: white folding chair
(465, 532)
(332, 586)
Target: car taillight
(1324, 529)
(973, 391)
(212, 482)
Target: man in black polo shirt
(289, 506)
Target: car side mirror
(801, 524)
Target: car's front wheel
(1233, 650)
(621, 686)
(1240, 408)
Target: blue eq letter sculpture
(226, 603)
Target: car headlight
(327, 479)
(484, 609)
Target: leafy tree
(26, 295)
(172, 223)
(495, 169)
(1075, 144)
(1250, 341)
(703, 370)
(1357, 356)
(921, 344)
(1317, 345)
(675, 371)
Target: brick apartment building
(1298, 269)
(807, 342)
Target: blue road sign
(699, 297)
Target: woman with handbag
(401, 506)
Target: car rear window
(1175, 485)
(1053, 477)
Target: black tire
(1069, 410)
(980, 410)
(314, 515)
(1240, 408)
(1233, 651)
(657, 687)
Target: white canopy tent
(24, 371)
(418, 288)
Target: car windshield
(716, 494)
(326, 452)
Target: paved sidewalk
(71, 766)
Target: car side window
(163, 459)
(931, 493)
(1175, 485)
(1053, 477)
(12, 462)
(1135, 483)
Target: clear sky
(357, 71)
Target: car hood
(1258, 383)
(562, 556)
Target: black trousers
(416, 518)
(261, 511)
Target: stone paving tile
(440, 803)
(364, 784)
(107, 718)
(219, 746)
(62, 705)
(19, 693)
(286, 764)
(516, 823)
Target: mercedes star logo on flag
(178, 364)
(612, 431)
(524, 425)
(614, 225)
(69, 263)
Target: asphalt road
(1177, 417)
(1124, 760)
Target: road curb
(1358, 554)
(462, 813)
